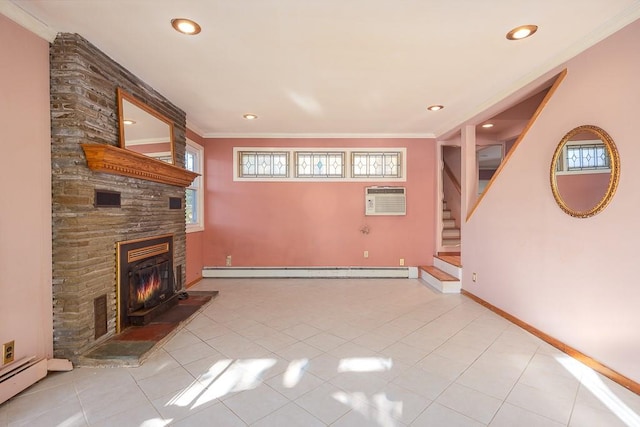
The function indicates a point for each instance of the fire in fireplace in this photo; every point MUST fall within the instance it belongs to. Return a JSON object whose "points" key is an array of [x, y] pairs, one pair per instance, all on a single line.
{"points": [[149, 284], [145, 280]]}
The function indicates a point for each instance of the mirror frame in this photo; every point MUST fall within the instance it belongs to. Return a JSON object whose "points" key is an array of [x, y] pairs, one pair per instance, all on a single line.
{"points": [[122, 95], [614, 158]]}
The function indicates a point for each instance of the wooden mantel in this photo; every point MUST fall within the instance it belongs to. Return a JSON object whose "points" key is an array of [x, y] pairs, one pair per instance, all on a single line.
{"points": [[118, 161]]}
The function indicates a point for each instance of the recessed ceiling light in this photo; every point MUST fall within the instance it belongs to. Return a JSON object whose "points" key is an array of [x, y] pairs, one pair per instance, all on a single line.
{"points": [[250, 116], [185, 26], [487, 125], [522, 32], [435, 107], [129, 122]]}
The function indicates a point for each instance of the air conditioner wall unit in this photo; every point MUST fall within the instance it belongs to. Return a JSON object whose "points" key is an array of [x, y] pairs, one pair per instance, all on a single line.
{"points": [[385, 201]]}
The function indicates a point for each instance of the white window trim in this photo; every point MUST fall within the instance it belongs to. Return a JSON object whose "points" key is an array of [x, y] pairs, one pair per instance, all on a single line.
{"points": [[347, 151], [192, 228]]}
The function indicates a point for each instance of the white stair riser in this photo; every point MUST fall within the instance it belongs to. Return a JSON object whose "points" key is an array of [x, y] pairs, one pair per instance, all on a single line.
{"points": [[447, 287], [451, 242], [449, 223], [450, 269], [446, 214]]}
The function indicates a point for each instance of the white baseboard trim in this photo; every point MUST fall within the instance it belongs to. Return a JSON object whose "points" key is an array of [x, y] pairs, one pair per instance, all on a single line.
{"points": [[310, 272]]}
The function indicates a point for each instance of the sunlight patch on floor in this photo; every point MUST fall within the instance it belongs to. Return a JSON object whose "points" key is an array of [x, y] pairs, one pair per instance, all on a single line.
{"points": [[590, 379], [365, 364], [379, 408], [294, 372]]}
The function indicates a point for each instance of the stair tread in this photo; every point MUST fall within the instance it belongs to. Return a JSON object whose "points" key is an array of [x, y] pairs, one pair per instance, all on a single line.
{"points": [[439, 274]]}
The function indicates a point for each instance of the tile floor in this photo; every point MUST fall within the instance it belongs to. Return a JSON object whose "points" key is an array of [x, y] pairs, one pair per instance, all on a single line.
{"points": [[335, 353]]}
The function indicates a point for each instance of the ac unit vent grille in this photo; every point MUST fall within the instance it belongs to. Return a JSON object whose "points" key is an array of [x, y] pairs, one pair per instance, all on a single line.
{"points": [[385, 201]]}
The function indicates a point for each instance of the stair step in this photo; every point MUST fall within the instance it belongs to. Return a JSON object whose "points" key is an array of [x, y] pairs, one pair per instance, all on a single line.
{"points": [[439, 274], [440, 280], [451, 233], [451, 259], [450, 242], [449, 223], [446, 214]]}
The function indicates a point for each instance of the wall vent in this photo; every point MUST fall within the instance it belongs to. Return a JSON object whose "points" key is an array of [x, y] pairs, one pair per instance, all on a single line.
{"points": [[107, 199], [175, 203], [100, 316], [385, 201]]}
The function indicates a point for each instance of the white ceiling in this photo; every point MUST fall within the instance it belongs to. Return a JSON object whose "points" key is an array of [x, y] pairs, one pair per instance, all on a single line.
{"points": [[333, 67]]}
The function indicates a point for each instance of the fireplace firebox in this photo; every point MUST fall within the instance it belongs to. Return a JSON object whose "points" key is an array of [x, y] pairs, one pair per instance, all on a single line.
{"points": [[145, 280]]}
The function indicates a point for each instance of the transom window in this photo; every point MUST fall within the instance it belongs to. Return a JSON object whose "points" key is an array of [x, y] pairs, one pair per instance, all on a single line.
{"points": [[260, 164], [378, 165], [319, 164]]}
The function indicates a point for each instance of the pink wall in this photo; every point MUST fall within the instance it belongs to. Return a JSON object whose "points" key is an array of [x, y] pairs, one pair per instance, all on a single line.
{"points": [[194, 257], [25, 188], [574, 279], [315, 223]]}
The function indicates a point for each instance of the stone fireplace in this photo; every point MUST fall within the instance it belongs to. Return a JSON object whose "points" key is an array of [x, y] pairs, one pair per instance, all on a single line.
{"points": [[86, 235]]}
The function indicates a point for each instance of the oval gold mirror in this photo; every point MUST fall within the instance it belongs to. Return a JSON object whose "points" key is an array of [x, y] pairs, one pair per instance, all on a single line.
{"points": [[144, 130], [585, 170]]}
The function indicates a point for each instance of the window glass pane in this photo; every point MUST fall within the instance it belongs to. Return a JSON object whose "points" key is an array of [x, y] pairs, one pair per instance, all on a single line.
{"points": [[189, 160], [191, 206]]}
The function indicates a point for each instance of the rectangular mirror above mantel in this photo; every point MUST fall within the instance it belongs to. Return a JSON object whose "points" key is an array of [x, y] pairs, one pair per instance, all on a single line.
{"points": [[146, 146]]}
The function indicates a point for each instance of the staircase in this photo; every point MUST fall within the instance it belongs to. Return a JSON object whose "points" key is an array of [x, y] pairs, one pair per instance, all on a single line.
{"points": [[445, 274], [450, 233]]}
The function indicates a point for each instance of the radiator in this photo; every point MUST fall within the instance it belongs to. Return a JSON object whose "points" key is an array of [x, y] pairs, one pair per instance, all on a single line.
{"points": [[21, 374]]}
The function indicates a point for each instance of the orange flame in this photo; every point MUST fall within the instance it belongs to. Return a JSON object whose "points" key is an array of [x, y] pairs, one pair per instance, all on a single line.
{"points": [[145, 291]]}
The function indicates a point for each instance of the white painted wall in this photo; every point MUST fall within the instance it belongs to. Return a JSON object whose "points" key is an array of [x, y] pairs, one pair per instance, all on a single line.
{"points": [[575, 279]]}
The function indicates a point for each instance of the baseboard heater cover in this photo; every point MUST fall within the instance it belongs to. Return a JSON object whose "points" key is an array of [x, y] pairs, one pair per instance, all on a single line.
{"points": [[19, 376], [310, 272]]}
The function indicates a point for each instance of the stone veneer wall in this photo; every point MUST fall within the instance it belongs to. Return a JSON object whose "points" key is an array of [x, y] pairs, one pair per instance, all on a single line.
{"points": [[84, 110]]}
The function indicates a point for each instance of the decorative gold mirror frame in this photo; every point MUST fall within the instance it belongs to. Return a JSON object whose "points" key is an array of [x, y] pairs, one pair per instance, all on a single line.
{"points": [[613, 178]]}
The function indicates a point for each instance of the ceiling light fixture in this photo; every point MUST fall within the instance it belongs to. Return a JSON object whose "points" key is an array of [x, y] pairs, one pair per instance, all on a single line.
{"points": [[185, 26], [435, 107], [129, 122], [250, 116], [522, 32], [487, 125]]}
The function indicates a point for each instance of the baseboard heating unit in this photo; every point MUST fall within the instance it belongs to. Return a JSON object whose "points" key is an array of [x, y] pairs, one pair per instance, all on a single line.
{"points": [[311, 272], [19, 375]]}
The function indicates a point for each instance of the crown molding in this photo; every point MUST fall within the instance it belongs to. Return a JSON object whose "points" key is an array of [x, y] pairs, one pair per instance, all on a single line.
{"points": [[320, 135], [28, 21]]}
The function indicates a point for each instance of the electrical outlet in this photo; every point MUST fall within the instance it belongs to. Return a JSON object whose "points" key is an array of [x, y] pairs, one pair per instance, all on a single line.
{"points": [[366, 254], [228, 263], [8, 352], [474, 277], [401, 262]]}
